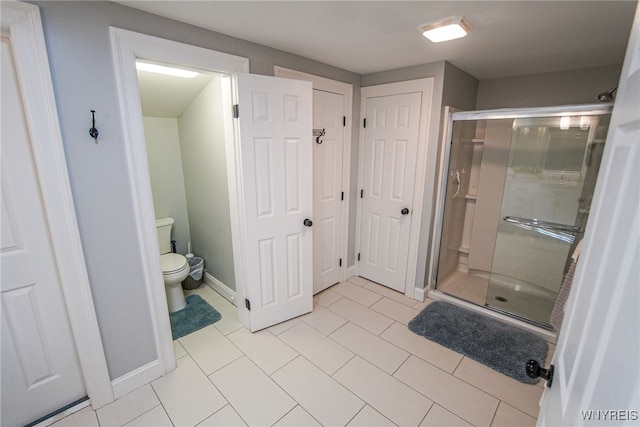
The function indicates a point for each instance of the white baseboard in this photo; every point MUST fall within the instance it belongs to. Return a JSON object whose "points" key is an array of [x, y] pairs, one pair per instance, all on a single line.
{"points": [[352, 271], [136, 379], [419, 294], [220, 288]]}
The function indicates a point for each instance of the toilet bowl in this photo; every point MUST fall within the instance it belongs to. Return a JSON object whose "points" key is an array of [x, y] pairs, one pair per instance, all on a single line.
{"points": [[175, 269]]}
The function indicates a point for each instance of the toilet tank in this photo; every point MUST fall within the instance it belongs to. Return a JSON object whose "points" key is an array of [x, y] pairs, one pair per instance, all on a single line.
{"points": [[163, 227]]}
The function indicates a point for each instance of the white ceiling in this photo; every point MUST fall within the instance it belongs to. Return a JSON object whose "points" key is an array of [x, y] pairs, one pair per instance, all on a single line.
{"points": [[508, 38]]}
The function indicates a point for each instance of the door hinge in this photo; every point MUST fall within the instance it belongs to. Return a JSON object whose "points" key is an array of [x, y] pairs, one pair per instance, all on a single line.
{"points": [[340, 262], [247, 304], [361, 193], [236, 111], [364, 123], [358, 256], [344, 120], [342, 196]]}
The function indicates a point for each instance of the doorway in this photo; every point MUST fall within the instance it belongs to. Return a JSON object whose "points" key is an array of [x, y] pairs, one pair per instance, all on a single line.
{"points": [[51, 348], [185, 143], [392, 178], [267, 148]]}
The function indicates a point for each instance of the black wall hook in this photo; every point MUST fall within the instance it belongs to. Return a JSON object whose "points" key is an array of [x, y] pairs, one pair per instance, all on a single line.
{"points": [[93, 132]]}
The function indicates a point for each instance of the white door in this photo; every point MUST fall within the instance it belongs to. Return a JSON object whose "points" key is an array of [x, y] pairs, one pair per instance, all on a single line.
{"points": [[328, 196], [390, 152], [597, 375], [276, 154], [40, 369]]}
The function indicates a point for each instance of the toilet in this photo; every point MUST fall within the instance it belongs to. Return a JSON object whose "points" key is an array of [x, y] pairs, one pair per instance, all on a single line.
{"points": [[174, 266]]}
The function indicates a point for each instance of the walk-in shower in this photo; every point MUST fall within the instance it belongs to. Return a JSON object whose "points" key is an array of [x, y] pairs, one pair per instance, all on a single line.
{"points": [[514, 200]]}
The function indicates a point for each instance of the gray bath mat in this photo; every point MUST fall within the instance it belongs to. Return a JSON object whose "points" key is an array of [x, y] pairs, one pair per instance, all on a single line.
{"points": [[196, 315], [497, 345]]}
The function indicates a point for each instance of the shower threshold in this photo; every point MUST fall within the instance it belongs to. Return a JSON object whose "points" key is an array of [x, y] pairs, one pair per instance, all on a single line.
{"points": [[521, 318], [539, 328]]}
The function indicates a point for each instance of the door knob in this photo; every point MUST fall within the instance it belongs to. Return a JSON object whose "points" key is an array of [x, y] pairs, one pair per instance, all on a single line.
{"points": [[404, 211], [534, 370], [307, 222]]}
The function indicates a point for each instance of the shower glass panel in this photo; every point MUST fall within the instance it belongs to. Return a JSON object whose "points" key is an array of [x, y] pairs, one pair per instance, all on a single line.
{"points": [[516, 200]]}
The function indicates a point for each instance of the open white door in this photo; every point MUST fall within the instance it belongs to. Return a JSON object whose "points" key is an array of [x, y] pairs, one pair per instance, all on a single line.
{"points": [[276, 173], [40, 368], [597, 375]]}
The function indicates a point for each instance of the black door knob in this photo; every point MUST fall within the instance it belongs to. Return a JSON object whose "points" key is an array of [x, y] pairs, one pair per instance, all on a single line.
{"points": [[307, 222], [404, 211], [534, 370]]}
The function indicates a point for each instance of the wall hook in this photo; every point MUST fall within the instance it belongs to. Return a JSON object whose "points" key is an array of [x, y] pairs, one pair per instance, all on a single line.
{"points": [[319, 133], [93, 132]]}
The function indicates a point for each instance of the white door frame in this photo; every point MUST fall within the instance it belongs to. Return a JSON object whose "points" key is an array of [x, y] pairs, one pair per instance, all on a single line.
{"points": [[126, 46], [425, 86], [345, 89], [22, 24]]}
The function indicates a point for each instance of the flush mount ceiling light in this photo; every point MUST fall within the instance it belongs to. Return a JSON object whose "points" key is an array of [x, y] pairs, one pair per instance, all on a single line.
{"points": [[162, 69], [453, 27]]}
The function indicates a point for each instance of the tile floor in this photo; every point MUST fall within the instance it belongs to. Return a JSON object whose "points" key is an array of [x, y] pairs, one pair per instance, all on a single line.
{"points": [[352, 361]]}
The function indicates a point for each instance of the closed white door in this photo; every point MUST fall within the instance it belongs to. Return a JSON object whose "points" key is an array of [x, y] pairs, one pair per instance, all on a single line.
{"points": [[390, 151], [276, 151], [597, 375], [328, 196], [40, 369]]}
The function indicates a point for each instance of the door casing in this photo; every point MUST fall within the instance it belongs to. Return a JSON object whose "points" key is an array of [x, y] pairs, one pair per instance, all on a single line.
{"points": [[425, 86], [22, 24], [127, 46]]}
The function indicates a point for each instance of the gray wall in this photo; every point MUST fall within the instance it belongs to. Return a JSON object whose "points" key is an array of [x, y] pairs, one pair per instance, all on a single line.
{"points": [[167, 178], [205, 175], [547, 89], [79, 49]]}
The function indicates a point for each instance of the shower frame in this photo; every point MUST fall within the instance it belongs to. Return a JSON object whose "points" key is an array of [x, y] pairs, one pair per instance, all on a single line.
{"points": [[443, 170]]}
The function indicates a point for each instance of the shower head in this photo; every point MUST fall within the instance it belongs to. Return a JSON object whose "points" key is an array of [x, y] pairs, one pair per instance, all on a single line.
{"points": [[608, 95]]}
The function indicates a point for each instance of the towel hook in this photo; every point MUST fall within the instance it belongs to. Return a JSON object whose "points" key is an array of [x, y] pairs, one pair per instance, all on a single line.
{"points": [[319, 133], [93, 132]]}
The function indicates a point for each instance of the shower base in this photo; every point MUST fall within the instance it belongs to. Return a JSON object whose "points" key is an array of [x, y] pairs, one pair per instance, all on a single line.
{"points": [[523, 301]]}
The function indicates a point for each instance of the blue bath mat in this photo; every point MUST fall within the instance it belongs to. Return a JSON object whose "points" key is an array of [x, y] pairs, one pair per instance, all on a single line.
{"points": [[495, 344], [196, 315]]}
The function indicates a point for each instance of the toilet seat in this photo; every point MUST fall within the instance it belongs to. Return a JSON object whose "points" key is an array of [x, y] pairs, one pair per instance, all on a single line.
{"points": [[173, 263]]}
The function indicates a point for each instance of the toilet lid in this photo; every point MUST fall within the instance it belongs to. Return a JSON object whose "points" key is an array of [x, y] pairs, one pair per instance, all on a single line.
{"points": [[172, 262]]}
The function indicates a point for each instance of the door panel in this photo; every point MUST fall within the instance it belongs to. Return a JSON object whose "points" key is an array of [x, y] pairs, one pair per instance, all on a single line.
{"points": [[328, 111], [40, 368], [276, 150], [390, 151], [597, 376]]}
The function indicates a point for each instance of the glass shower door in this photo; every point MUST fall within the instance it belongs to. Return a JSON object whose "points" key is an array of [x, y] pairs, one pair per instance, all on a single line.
{"points": [[548, 186]]}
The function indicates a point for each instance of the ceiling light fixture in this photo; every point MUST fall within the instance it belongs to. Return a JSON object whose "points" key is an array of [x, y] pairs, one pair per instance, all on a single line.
{"points": [[161, 69], [453, 27]]}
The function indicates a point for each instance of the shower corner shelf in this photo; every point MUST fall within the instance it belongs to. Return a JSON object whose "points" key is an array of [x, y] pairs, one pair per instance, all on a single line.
{"points": [[471, 196], [478, 140]]}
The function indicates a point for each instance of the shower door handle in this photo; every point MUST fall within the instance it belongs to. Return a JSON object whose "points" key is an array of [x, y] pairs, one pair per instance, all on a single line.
{"points": [[536, 223]]}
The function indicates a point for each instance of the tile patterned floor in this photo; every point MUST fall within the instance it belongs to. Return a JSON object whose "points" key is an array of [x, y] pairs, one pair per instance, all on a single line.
{"points": [[352, 361]]}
